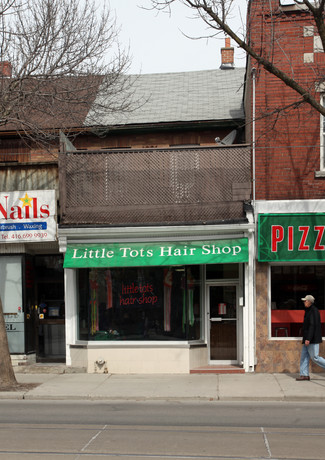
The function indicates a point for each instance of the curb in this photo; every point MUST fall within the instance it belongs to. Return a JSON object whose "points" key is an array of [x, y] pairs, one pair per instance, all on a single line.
{"points": [[27, 397]]}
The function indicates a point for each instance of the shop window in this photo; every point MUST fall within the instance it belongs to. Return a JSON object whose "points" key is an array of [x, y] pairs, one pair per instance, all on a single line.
{"points": [[12, 301], [49, 267], [48, 286], [150, 303], [222, 271], [11, 284], [288, 285]]}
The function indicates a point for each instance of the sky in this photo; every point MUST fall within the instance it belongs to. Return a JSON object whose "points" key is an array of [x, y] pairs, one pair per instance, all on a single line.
{"points": [[157, 42]]}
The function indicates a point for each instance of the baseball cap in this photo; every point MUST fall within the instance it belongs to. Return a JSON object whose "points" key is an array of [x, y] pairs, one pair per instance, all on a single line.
{"points": [[309, 297]]}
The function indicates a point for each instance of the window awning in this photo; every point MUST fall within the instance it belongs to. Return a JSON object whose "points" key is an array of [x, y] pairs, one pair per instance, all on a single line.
{"points": [[156, 253]]}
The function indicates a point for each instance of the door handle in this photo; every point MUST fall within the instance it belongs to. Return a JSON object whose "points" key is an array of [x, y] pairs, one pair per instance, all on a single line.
{"points": [[215, 319]]}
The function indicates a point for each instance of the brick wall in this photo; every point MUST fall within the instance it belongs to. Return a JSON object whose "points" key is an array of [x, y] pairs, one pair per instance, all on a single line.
{"points": [[287, 132], [287, 146]]}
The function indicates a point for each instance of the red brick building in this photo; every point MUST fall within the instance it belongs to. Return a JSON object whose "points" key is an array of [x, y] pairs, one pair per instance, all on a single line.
{"points": [[288, 178]]}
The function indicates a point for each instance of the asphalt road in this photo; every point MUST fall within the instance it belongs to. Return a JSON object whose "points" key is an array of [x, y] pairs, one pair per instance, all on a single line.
{"points": [[32, 430]]}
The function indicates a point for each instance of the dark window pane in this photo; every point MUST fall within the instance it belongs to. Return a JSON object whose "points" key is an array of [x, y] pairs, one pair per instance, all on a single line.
{"points": [[155, 303], [222, 271], [288, 285]]}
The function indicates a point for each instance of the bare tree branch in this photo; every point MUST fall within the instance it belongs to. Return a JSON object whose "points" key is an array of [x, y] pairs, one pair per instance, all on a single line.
{"points": [[63, 53], [215, 13]]}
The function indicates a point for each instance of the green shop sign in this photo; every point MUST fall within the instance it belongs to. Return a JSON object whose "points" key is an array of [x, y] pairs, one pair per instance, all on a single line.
{"points": [[291, 237], [153, 254]]}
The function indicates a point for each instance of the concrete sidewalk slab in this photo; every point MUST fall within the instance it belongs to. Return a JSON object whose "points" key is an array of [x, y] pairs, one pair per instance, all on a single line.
{"points": [[313, 390], [213, 387], [67, 386], [169, 387], [28, 379], [34, 378], [253, 387]]}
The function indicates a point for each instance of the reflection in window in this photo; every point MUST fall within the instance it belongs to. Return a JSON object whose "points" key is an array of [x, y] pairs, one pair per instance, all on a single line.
{"points": [[288, 285], [222, 271], [150, 303]]}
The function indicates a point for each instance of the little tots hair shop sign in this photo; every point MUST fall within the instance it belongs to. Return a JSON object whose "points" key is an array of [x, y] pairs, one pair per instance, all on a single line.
{"points": [[27, 216], [155, 254], [291, 237]]}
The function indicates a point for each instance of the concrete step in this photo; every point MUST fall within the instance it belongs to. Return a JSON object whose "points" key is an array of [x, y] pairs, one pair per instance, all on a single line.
{"points": [[218, 369]]}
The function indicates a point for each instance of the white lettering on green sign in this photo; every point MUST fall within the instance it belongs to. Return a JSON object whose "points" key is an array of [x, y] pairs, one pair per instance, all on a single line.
{"points": [[142, 254]]}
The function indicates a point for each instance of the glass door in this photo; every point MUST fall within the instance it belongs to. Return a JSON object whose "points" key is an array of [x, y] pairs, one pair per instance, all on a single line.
{"points": [[222, 303]]}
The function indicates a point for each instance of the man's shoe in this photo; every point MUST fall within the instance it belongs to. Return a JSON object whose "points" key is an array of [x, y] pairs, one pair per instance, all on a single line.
{"points": [[303, 377]]}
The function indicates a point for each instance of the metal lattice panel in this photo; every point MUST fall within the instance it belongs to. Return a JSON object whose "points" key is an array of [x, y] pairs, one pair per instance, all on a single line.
{"points": [[154, 186]]}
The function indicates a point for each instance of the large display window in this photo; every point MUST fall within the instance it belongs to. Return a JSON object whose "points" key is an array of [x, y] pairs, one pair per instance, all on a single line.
{"points": [[12, 301], [144, 303], [288, 285]]}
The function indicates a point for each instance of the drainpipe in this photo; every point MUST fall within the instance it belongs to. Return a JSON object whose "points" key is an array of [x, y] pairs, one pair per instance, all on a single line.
{"points": [[252, 311], [253, 74]]}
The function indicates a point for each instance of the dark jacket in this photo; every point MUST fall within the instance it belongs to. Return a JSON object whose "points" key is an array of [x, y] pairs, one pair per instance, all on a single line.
{"points": [[312, 329]]}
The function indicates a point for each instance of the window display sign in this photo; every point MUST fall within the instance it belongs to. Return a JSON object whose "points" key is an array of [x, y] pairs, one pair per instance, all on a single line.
{"points": [[155, 254], [140, 303], [27, 216], [137, 294], [291, 237]]}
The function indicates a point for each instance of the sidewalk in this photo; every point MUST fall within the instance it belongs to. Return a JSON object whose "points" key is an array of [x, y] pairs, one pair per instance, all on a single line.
{"points": [[209, 387]]}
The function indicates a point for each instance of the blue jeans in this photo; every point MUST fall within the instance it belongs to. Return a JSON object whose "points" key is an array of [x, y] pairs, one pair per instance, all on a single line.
{"points": [[308, 352]]}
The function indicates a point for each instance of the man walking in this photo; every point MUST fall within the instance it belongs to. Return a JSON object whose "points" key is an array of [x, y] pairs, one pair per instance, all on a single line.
{"points": [[311, 338]]}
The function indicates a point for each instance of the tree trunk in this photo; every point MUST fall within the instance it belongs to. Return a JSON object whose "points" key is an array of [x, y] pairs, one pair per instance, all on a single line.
{"points": [[7, 375]]}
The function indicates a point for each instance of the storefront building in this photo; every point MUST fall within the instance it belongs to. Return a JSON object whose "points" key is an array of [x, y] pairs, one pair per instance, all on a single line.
{"points": [[291, 264], [159, 271], [156, 230], [31, 288], [172, 173], [155, 302]]}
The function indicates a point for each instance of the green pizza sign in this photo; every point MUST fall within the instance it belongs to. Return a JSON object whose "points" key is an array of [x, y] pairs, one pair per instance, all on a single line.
{"points": [[291, 237]]}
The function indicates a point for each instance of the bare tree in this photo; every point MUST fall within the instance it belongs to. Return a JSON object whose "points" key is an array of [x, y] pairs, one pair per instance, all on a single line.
{"points": [[58, 58], [216, 15]]}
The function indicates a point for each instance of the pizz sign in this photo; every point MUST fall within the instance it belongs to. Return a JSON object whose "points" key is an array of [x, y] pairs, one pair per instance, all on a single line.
{"points": [[291, 237]]}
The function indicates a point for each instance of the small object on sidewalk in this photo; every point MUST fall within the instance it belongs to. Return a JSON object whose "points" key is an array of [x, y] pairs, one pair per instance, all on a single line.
{"points": [[303, 377]]}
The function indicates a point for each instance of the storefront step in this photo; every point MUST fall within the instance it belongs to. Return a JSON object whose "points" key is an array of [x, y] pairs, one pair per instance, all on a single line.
{"points": [[218, 369]]}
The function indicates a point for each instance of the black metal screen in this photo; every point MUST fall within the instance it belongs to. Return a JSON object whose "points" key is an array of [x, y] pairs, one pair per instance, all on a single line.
{"points": [[154, 186]]}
